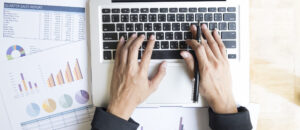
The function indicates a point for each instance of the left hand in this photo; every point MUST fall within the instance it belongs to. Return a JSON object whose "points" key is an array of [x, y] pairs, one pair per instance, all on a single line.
{"points": [[130, 84]]}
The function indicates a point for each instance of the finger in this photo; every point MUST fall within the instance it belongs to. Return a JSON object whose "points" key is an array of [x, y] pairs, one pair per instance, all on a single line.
{"points": [[220, 43], [209, 53], [148, 53], [199, 51], [211, 41], [118, 51], [189, 60], [155, 81], [124, 51], [193, 30], [134, 50]]}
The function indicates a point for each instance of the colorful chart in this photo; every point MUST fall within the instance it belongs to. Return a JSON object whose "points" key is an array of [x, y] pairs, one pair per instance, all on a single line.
{"points": [[82, 97], [23, 86], [33, 110], [65, 101], [49, 105], [14, 48], [69, 77]]}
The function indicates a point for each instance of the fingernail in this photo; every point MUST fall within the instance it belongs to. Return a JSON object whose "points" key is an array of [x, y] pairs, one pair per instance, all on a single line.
{"points": [[165, 65], [134, 35], [152, 37], [184, 55], [204, 26], [122, 39]]}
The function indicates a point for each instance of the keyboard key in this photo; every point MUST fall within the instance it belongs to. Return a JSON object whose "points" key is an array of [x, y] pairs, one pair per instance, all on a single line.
{"points": [[190, 17], [171, 17], [109, 27], [105, 10], [202, 9], [187, 35], [182, 45], [110, 36], [139, 27], [180, 17], [231, 26], [143, 18], [144, 45], [164, 45], [142, 33], [169, 35], [154, 10], [167, 26], [175, 26], [106, 55], [229, 17], [124, 35], [166, 54], [156, 45], [157, 27], [162, 17], [218, 17], [160, 36], [221, 9], [131, 33], [231, 9], [212, 9], [105, 18], [135, 10], [223, 26], [114, 54], [230, 44], [116, 11], [115, 18], [185, 26], [212, 26], [183, 10], [110, 45], [124, 18], [149, 35], [228, 35], [199, 17], [144, 10], [178, 35], [208, 17], [192, 9], [174, 44], [134, 18], [148, 26], [231, 56], [152, 17], [173, 10], [120, 27], [163, 10], [125, 10], [129, 27]]}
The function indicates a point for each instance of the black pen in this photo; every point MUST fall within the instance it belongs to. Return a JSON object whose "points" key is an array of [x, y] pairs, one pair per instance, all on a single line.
{"points": [[196, 69]]}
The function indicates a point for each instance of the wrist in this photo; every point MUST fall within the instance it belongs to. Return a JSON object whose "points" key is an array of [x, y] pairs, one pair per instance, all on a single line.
{"points": [[224, 107], [122, 111]]}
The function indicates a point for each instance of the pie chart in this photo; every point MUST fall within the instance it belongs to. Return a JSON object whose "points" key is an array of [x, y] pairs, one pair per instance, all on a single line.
{"points": [[49, 105], [82, 97], [14, 48], [33, 109], [65, 101]]}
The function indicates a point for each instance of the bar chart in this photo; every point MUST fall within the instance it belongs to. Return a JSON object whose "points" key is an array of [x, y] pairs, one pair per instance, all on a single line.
{"points": [[67, 77], [25, 86]]}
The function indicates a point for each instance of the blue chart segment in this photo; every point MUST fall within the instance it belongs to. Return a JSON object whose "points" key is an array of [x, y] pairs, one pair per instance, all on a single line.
{"points": [[65, 101], [14, 48], [82, 97], [33, 109]]}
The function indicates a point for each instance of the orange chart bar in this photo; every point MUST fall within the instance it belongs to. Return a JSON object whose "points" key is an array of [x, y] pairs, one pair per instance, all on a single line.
{"points": [[78, 70], [23, 81], [51, 82], [68, 73]]}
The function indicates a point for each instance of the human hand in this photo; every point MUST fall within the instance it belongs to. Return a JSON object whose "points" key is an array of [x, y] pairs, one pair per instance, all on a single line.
{"points": [[130, 84], [215, 77]]}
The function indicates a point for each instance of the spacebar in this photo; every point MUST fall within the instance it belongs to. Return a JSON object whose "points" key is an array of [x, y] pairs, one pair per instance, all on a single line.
{"points": [[166, 54]]}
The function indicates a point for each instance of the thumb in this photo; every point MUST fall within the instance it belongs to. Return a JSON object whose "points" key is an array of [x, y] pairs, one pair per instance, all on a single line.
{"points": [[188, 58], [155, 81]]}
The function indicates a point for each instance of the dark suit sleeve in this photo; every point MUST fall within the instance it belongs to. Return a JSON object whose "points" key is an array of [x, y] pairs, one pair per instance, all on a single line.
{"points": [[106, 121], [236, 121]]}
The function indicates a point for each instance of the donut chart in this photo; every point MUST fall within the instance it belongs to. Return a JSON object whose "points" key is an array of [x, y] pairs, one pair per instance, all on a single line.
{"points": [[82, 97], [13, 48], [33, 110]]}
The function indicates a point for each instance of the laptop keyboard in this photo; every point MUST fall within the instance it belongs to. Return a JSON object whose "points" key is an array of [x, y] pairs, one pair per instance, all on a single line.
{"points": [[169, 25]]}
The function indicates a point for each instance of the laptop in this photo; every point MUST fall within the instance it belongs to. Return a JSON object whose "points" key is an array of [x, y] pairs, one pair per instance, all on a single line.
{"points": [[169, 21]]}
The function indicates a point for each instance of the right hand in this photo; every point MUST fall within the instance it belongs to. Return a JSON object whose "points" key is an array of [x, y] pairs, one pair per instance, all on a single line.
{"points": [[215, 77]]}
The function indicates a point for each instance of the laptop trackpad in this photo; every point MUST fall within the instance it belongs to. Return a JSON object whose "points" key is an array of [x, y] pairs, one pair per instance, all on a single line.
{"points": [[176, 87]]}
